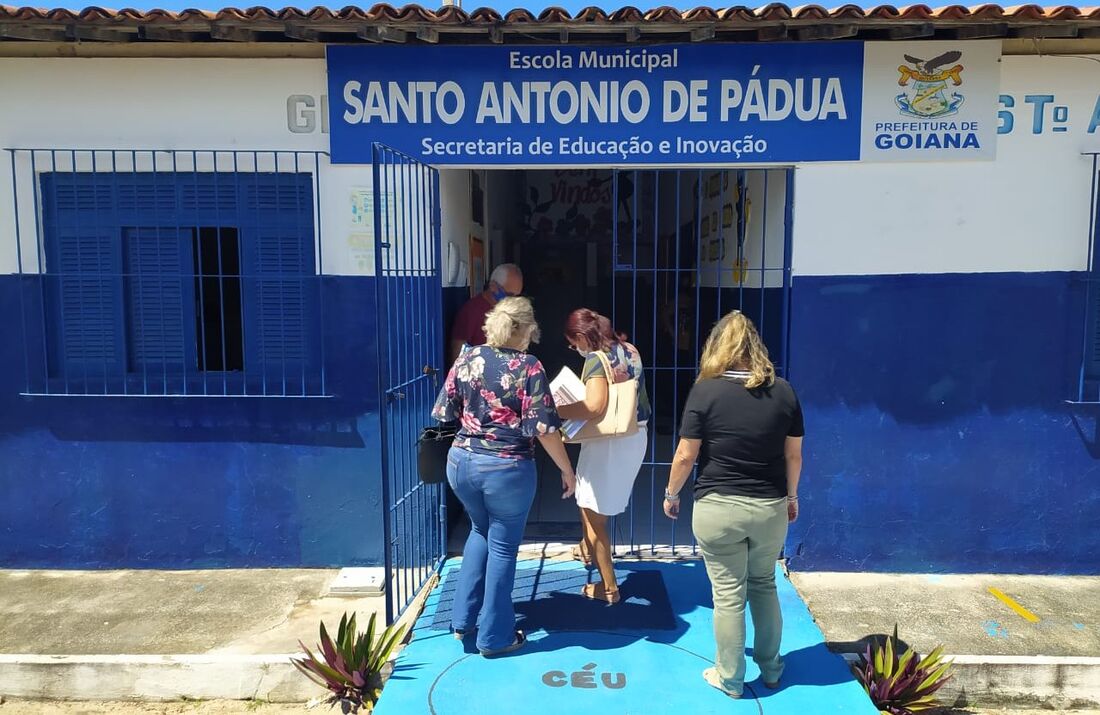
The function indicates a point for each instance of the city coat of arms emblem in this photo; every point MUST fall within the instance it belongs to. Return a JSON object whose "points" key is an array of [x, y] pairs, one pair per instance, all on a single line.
{"points": [[929, 86]]}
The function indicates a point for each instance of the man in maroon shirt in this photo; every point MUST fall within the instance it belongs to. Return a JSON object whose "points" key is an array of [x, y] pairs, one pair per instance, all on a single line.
{"points": [[506, 280]]}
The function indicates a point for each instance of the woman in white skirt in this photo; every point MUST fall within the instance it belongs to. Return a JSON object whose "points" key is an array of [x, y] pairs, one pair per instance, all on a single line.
{"points": [[607, 468]]}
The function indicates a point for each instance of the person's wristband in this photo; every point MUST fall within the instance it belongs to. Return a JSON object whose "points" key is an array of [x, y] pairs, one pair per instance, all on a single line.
{"points": [[792, 498], [671, 497]]}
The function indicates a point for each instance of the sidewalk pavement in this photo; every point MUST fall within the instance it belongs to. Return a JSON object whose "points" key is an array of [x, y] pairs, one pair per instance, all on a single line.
{"points": [[224, 707], [162, 635], [1018, 639], [117, 635]]}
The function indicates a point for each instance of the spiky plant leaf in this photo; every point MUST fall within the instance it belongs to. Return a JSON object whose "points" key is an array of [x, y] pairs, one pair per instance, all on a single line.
{"points": [[901, 682], [933, 658], [936, 679], [385, 648], [350, 666], [334, 678], [327, 647], [309, 673], [901, 671]]}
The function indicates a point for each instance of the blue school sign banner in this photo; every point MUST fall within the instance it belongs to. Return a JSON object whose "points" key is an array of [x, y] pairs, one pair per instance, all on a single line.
{"points": [[631, 105]]}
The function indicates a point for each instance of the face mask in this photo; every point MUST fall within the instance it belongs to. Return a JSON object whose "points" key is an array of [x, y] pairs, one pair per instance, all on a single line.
{"points": [[499, 294]]}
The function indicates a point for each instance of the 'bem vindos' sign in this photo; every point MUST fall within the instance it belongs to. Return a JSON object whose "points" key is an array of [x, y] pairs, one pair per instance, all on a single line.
{"points": [[673, 104]]}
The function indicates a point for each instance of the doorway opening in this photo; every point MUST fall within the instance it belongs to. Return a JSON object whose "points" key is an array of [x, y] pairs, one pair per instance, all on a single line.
{"points": [[664, 254]]}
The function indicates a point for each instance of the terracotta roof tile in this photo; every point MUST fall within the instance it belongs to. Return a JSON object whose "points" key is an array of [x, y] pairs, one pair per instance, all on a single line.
{"points": [[1063, 12], [555, 16], [628, 14], [517, 15], [848, 12], [810, 12], [917, 12], [987, 12], [883, 12]]}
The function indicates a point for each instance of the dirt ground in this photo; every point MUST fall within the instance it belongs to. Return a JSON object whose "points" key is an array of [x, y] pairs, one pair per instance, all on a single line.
{"points": [[230, 707], [188, 707]]}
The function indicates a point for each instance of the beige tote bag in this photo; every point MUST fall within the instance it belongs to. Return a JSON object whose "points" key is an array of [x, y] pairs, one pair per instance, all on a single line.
{"points": [[621, 416]]}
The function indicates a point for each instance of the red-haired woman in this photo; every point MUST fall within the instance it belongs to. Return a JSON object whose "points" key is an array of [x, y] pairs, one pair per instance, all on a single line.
{"points": [[607, 468]]}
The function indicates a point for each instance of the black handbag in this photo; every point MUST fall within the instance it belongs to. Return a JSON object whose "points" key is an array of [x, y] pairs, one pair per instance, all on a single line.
{"points": [[431, 452]]}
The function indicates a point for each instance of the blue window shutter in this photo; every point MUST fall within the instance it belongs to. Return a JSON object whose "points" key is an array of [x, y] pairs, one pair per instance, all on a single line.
{"points": [[89, 303], [159, 301], [84, 267], [148, 193], [279, 287], [210, 195]]}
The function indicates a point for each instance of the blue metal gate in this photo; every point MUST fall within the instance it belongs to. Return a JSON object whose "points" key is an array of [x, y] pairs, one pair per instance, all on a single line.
{"points": [[410, 356], [689, 246]]}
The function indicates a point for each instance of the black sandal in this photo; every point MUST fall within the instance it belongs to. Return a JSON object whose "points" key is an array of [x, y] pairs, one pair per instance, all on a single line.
{"points": [[521, 640]]}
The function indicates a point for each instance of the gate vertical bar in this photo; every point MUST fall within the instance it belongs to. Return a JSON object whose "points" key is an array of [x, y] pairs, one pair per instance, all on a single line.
{"points": [[414, 238], [1089, 277], [19, 262], [398, 174], [636, 184], [99, 263], [421, 319], [676, 324], [43, 274], [788, 236], [383, 381], [317, 212], [63, 352], [651, 360], [744, 203], [242, 281], [438, 336], [764, 258], [122, 281], [80, 279], [406, 209]]}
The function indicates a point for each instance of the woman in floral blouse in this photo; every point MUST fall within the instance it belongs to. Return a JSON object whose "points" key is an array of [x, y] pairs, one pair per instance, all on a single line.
{"points": [[500, 395]]}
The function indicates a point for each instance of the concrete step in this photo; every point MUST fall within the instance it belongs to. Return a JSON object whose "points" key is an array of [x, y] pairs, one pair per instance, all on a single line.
{"points": [[1018, 640], [230, 634], [153, 677], [166, 635]]}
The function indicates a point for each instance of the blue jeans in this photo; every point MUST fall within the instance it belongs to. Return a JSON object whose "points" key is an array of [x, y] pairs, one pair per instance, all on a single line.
{"points": [[497, 493]]}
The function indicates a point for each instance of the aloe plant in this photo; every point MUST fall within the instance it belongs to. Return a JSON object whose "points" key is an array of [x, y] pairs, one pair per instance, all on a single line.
{"points": [[901, 683], [350, 667]]}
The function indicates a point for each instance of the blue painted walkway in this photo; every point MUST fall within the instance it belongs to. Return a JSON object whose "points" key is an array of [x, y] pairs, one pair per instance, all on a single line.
{"points": [[644, 655]]}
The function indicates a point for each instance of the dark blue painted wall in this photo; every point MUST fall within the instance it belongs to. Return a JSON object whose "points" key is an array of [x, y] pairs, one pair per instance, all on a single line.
{"points": [[153, 482], [937, 434], [938, 440]]}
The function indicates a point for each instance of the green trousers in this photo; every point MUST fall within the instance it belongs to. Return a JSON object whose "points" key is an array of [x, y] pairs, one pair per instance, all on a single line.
{"points": [[741, 538]]}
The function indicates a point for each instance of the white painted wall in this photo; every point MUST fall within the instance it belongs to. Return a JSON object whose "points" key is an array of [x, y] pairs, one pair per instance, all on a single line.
{"points": [[1026, 211], [762, 253], [457, 227], [174, 104]]}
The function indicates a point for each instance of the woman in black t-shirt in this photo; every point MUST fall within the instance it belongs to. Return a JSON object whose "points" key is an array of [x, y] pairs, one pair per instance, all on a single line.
{"points": [[744, 425]]}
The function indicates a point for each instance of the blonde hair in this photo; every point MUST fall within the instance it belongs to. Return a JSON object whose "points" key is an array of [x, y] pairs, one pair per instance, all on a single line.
{"points": [[511, 322], [735, 344]]}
